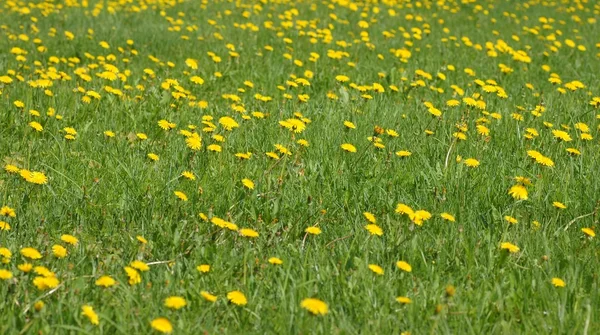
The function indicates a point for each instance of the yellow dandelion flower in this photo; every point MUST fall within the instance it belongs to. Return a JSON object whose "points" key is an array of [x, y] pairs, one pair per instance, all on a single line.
{"points": [[162, 325], [448, 217], [315, 306], [88, 311], [59, 251], [313, 230], [589, 232], [237, 298], [105, 281], [404, 300], [557, 282], [348, 147], [208, 297], [31, 253], [69, 239], [275, 261], [376, 269], [374, 229], [510, 247], [204, 268], [175, 302], [249, 184], [404, 266]]}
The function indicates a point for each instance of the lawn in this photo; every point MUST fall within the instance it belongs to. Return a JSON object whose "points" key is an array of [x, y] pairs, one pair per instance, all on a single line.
{"points": [[299, 167]]}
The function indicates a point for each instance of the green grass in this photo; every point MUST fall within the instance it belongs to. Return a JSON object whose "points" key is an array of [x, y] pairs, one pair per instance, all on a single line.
{"points": [[106, 191]]}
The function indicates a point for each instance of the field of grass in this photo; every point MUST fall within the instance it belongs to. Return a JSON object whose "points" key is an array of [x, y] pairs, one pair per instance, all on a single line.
{"points": [[299, 167]]}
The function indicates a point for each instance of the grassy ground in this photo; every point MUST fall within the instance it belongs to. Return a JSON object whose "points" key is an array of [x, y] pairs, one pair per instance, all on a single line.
{"points": [[471, 114]]}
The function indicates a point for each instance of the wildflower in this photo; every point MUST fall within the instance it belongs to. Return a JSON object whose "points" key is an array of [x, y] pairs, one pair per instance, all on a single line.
{"points": [[7, 211], [589, 232], [557, 282], [208, 297], [59, 251], [559, 205], [175, 302], [25, 267], [31, 253], [471, 162], [313, 230], [181, 195], [404, 266], [5, 274], [237, 297], [36, 126], [374, 229], [228, 123], [134, 276], [404, 300], [140, 266], [162, 325], [45, 283], [562, 135], [188, 175], [88, 311], [105, 281], [38, 306], [141, 239], [204, 268], [194, 141], [349, 125], [376, 269], [249, 184], [275, 261], [510, 219], [246, 232], [519, 192], [4, 225], [69, 239], [348, 147], [510, 247], [315, 306], [403, 153], [448, 217], [153, 157]]}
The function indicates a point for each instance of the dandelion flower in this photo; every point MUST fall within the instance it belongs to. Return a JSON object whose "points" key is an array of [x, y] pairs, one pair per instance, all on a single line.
{"points": [[88, 311], [471, 162], [249, 184], [519, 192], [315, 306], [559, 205], [204, 268], [181, 195], [69, 239], [557, 282], [175, 302], [374, 229], [404, 300], [246, 232], [376, 269], [208, 297], [589, 232], [404, 266], [31, 253], [162, 325], [188, 175], [134, 275], [105, 281], [5, 274], [59, 251], [348, 147], [275, 261], [237, 297], [448, 217], [4, 225], [510, 219], [370, 217], [313, 230], [510, 247], [140, 266]]}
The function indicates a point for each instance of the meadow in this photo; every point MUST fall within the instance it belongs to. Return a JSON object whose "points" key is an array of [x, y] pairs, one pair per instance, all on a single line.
{"points": [[299, 167]]}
